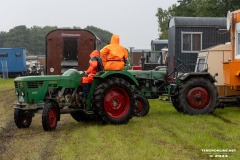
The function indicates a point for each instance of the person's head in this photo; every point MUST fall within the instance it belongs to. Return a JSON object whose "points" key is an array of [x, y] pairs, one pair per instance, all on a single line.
{"points": [[115, 39], [94, 54]]}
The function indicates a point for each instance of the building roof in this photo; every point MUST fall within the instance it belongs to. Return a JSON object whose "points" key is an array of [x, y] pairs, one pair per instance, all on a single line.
{"points": [[220, 47], [219, 22], [162, 41], [140, 50]]}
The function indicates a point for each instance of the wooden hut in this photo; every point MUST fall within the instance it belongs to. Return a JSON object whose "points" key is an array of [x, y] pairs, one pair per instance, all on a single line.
{"points": [[69, 48]]}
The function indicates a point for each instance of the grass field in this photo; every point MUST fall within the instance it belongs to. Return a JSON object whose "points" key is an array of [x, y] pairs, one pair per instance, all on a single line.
{"points": [[162, 134]]}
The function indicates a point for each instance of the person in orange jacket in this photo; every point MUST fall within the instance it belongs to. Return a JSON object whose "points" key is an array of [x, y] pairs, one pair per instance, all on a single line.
{"points": [[90, 72], [114, 55]]}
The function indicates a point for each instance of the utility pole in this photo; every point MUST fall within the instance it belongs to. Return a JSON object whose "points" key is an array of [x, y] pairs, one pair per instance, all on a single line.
{"points": [[131, 59]]}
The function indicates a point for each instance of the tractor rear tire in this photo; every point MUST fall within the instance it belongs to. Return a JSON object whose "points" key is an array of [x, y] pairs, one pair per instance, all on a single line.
{"points": [[22, 118], [50, 116], [142, 106], [114, 101], [198, 96]]}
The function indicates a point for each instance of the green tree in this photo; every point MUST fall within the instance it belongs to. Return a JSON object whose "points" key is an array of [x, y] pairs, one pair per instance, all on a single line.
{"points": [[2, 38], [163, 16], [33, 39], [17, 37], [37, 39], [104, 35], [194, 8]]}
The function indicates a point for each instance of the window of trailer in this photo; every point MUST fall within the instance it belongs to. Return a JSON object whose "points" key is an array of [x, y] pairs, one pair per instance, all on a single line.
{"points": [[191, 42], [237, 52]]}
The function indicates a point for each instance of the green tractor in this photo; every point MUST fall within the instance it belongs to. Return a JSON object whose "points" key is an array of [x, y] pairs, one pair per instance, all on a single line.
{"points": [[189, 92], [114, 97], [111, 98]]}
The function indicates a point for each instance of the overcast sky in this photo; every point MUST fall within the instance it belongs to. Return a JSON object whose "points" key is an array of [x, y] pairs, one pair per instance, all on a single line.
{"points": [[133, 20]]}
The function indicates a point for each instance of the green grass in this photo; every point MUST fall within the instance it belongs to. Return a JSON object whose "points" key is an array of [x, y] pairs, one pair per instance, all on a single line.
{"points": [[163, 134], [6, 84]]}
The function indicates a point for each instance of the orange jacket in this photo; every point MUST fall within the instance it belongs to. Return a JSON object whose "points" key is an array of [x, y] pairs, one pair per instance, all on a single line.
{"points": [[113, 55], [92, 69]]}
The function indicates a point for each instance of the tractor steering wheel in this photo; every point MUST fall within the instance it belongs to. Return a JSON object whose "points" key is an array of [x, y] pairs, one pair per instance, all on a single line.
{"points": [[182, 64]]}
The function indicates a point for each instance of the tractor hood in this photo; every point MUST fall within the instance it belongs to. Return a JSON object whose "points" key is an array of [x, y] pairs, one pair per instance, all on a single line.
{"points": [[149, 74], [32, 89]]}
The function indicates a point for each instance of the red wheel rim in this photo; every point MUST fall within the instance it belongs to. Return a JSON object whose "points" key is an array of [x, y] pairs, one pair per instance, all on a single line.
{"points": [[52, 117], [198, 98], [116, 102], [139, 106]]}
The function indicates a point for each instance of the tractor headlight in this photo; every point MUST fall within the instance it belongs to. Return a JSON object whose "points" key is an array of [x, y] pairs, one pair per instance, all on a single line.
{"points": [[22, 93], [16, 92]]}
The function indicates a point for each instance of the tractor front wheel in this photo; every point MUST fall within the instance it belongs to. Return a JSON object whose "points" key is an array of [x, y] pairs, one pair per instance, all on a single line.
{"points": [[49, 116], [176, 103], [114, 101], [22, 118], [198, 96], [142, 106]]}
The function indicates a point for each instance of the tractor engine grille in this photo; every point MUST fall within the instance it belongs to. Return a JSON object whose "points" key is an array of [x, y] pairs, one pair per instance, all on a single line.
{"points": [[35, 84], [18, 84]]}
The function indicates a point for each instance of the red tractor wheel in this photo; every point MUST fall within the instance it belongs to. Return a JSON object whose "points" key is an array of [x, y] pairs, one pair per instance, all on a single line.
{"points": [[142, 106], [198, 96], [114, 101], [22, 118], [49, 116]]}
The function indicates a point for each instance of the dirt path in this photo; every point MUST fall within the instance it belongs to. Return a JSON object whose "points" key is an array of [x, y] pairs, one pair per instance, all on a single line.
{"points": [[32, 143]]}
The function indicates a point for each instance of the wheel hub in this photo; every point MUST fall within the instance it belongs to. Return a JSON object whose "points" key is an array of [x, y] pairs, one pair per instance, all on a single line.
{"points": [[116, 102], [198, 98], [139, 106], [52, 117]]}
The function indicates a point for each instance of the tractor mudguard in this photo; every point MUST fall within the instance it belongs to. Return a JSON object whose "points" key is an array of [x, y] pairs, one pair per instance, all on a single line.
{"points": [[186, 76], [120, 74]]}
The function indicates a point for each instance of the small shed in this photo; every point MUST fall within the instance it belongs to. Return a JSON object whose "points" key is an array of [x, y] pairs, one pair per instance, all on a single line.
{"points": [[13, 62], [189, 35], [136, 56], [69, 48], [212, 59], [158, 45]]}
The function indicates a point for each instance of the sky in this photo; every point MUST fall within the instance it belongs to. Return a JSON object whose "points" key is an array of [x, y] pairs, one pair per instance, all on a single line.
{"points": [[133, 20]]}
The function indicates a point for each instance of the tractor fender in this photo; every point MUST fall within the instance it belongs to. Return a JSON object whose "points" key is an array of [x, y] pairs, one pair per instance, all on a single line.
{"points": [[207, 75], [120, 74]]}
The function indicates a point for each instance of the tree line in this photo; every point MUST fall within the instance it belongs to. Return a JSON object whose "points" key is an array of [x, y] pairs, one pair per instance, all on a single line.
{"points": [[194, 8], [33, 39]]}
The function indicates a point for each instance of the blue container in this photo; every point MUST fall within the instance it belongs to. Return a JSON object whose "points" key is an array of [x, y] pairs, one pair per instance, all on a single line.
{"points": [[13, 60]]}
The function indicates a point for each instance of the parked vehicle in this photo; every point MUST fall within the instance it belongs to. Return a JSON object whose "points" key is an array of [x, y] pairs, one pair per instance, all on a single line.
{"points": [[13, 62], [149, 60], [115, 96], [69, 48], [211, 59], [231, 68]]}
